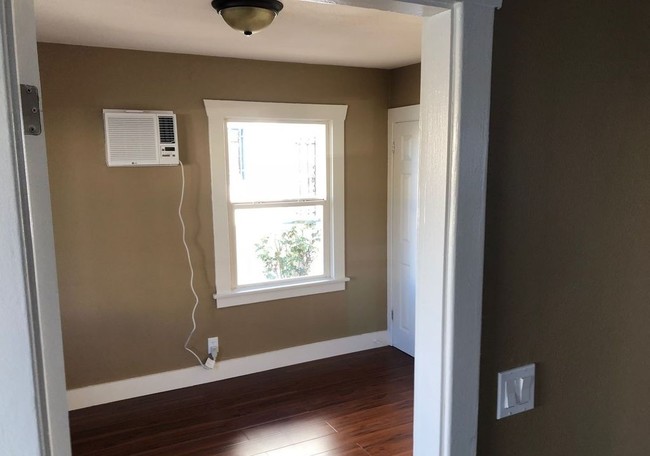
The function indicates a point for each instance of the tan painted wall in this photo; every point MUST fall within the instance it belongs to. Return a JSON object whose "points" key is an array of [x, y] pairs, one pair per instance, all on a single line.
{"points": [[567, 265], [404, 86], [123, 278]]}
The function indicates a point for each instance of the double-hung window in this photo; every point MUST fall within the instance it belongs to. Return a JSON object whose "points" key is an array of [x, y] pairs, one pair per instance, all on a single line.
{"points": [[277, 199]]}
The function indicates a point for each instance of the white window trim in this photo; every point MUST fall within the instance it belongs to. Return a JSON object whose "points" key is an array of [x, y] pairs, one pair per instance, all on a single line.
{"points": [[219, 112]]}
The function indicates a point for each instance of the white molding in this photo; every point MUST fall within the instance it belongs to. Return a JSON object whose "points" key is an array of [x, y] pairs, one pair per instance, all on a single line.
{"points": [[473, 26], [449, 4], [414, 8], [28, 155], [166, 381], [493, 4], [403, 114], [423, 8], [395, 115], [293, 290], [452, 214], [21, 429], [429, 401], [219, 112]]}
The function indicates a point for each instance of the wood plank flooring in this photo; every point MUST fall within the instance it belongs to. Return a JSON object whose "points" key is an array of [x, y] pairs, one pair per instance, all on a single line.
{"points": [[353, 405]]}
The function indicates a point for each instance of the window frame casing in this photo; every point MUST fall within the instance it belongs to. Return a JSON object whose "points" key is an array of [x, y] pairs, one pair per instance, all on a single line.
{"points": [[220, 112]]}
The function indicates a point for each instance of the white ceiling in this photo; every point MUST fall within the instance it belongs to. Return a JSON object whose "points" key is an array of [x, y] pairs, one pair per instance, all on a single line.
{"points": [[303, 32]]}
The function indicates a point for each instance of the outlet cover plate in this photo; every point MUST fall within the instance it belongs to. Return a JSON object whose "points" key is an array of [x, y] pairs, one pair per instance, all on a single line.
{"points": [[213, 345]]}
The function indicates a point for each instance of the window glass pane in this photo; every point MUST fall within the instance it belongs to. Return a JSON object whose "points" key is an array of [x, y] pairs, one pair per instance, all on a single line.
{"points": [[279, 243], [276, 161]]}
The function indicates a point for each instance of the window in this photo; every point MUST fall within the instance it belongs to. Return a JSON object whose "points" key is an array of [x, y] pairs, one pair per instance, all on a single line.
{"points": [[278, 199]]}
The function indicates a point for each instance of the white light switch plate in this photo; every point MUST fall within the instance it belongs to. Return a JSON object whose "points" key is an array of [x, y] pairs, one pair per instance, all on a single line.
{"points": [[516, 391]]}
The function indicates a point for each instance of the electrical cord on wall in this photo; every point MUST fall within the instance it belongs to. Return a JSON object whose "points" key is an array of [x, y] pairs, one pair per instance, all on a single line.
{"points": [[189, 262]]}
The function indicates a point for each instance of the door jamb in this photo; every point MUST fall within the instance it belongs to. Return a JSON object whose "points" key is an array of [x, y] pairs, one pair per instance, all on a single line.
{"points": [[20, 65], [451, 220]]}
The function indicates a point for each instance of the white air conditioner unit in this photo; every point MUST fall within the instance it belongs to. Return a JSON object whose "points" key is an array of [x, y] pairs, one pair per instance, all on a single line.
{"points": [[140, 138]]}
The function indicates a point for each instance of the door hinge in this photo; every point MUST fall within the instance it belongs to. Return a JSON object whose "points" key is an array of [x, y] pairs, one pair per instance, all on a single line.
{"points": [[392, 314], [393, 148], [29, 103]]}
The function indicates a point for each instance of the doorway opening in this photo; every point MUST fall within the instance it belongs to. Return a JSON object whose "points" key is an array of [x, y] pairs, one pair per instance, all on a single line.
{"points": [[450, 215]]}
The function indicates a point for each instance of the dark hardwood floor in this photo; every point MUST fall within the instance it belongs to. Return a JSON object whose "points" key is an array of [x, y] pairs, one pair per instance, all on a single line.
{"points": [[353, 405]]}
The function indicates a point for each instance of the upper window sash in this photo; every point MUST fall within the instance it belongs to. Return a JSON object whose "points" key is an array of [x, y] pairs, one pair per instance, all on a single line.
{"points": [[276, 160]]}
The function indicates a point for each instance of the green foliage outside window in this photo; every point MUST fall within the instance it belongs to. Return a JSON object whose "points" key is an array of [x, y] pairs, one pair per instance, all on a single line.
{"points": [[290, 253]]}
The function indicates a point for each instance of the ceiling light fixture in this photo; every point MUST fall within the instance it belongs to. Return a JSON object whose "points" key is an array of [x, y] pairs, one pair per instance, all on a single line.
{"points": [[248, 16]]}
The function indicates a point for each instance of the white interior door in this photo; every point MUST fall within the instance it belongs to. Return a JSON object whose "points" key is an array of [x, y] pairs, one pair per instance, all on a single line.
{"points": [[403, 189]]}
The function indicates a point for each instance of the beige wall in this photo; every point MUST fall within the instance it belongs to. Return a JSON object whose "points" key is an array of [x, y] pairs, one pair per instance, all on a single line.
{"points": [[404, 86], [567, 264], [123, 278]]}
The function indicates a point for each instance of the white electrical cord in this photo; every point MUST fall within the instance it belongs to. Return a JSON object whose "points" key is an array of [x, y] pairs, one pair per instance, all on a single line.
{"points": [[189, 262]]}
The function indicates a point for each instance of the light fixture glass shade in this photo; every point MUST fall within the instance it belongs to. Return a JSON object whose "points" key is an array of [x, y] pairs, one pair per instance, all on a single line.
{"points": [[248, 19]]}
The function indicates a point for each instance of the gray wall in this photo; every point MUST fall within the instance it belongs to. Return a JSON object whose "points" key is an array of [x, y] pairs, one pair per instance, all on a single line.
{"points": [[567, 265]]}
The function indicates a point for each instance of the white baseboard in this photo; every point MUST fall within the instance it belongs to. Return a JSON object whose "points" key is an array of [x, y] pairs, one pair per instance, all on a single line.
{"points": [[182, 378]]}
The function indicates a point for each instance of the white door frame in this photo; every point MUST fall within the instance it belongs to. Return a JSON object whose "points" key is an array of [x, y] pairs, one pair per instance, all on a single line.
{"points": [[395, 115], [455, 107], [35, 353], [451, 230]]}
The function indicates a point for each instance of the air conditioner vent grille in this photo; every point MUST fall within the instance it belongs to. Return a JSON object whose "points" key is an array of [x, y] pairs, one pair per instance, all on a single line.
{"points": [[132, 139], [166, 127]]}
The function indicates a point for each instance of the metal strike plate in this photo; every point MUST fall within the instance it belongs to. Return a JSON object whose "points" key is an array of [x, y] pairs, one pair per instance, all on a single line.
{"points": [[31, 109]]}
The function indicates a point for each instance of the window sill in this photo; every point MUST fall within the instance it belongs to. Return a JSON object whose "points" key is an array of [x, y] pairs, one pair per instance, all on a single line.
{"points": [[241, 297]]}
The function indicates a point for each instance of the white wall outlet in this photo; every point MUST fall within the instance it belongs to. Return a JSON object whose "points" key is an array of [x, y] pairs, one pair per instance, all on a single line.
{"points": [[516, 391], [213, 346]]}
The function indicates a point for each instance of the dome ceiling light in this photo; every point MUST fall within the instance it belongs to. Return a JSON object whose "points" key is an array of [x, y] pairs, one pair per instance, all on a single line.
{"points": [[248, 16]]}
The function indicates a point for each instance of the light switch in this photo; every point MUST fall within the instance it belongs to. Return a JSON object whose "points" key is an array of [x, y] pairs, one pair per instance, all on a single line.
{"points": [[516, 391]]}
